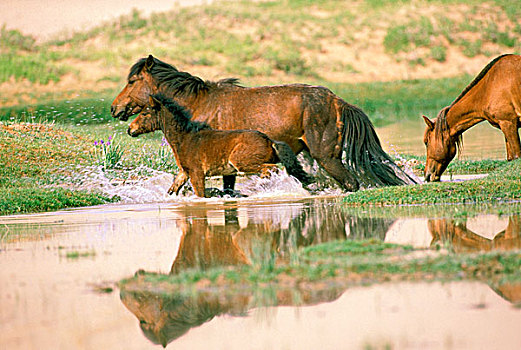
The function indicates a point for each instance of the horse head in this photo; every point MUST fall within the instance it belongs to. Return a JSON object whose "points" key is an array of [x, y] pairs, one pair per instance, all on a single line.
{"points": [[134, 96], [147, 121], [441, 149]]}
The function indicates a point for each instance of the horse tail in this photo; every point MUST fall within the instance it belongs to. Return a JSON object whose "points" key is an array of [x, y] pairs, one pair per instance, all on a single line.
{"points": [[288, 158], [364, 154]]}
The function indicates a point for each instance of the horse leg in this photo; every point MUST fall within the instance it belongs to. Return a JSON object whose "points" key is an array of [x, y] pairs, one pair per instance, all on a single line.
{"points": [[228, 183], [266, 170], [325, 149], [513, 144], [197, 180], [179, 181], [339, 172]]}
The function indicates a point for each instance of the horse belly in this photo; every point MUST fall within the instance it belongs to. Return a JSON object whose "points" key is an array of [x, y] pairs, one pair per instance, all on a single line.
{"points": [[223, 170]]}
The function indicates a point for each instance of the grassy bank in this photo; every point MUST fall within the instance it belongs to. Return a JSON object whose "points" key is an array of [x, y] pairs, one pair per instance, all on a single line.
{"points": [[41, 163], [330, 266], [503, 184], [33, 157]]}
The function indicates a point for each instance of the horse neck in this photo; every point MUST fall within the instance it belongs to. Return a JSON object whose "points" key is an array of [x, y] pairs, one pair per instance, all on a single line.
{"points": [[188, 101], [155, 125], [463, 115], [174, 131]]}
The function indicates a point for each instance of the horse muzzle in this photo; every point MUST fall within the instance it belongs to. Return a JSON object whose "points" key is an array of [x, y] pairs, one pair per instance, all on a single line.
{"points": [[119, 113], [133, 133], [429, 177]]}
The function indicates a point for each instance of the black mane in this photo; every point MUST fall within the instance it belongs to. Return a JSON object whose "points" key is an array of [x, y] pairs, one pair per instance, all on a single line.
{"points": [[181, 115], [174, 82]]}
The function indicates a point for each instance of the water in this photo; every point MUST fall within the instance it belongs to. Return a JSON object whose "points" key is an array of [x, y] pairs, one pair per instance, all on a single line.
{"points": [[479, 142], [153, 186], [54, 267]]}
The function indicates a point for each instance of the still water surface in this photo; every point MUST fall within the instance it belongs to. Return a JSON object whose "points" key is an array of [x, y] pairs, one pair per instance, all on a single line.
{"points": [[479, 142], [50, 297]]}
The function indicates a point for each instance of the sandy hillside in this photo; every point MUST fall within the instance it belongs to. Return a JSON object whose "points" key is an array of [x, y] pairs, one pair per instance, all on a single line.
{"points": [[44, 19], [351, 51]]}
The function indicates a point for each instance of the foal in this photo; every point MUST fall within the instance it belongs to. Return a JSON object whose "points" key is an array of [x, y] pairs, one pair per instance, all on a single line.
{"points": [[201, 151]]}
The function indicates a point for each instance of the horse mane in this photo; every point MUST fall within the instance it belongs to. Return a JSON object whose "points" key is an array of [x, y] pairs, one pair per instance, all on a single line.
{"points": [[478, 78], [181, 115], [175, 82], [441, 124]]}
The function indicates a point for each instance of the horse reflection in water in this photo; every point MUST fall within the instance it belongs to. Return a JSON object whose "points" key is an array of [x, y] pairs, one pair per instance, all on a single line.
{"points": [[461, 239], [164, 318], [204, 245], [246, 238]]}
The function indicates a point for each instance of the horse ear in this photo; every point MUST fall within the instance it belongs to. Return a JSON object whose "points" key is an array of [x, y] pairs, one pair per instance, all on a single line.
{"points": [[149, 63], [430, 123]]}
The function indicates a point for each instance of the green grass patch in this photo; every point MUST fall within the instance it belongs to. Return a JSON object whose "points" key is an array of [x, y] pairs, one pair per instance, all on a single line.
{"points": [[36, 68], [12, 39], [391, 102], [458, 166], [29, 200], [503, 184], [77, 254], [334, 264], [33, 157], [71, 111]]}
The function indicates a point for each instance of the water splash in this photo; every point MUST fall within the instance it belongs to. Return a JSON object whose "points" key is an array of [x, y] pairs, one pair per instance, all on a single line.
{"points": [[145, 185], [133, 188], [278, 184]]}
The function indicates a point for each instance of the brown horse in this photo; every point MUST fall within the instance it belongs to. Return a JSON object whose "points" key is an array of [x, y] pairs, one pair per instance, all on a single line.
{"points": [[495, 96], [201, 151], [461, 239], [309, 118]]}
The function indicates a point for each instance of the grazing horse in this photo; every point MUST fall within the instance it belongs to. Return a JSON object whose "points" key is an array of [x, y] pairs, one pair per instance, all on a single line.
{"points": [[495, 96], [309, 118], [201, 151]]}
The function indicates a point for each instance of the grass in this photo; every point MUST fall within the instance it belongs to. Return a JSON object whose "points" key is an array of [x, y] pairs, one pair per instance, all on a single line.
{"points": [[503, 184], [73, 255], [40, 162], [33, 155], [330, 266], [31, 199], [81, 111], [391, 102], [263, 41], [36, 68]]}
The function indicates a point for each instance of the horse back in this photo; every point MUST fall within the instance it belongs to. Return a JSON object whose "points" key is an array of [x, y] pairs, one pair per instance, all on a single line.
{"points": [[495, 92], [211, 149], [501, 85], [277, 111]]}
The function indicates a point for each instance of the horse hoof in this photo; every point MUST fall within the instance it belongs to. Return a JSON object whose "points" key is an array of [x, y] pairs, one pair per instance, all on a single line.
{"points": [[213, 192], [233, 193]]}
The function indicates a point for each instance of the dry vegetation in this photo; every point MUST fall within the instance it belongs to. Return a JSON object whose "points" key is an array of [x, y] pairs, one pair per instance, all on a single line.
{"points": [[267, 42]]}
